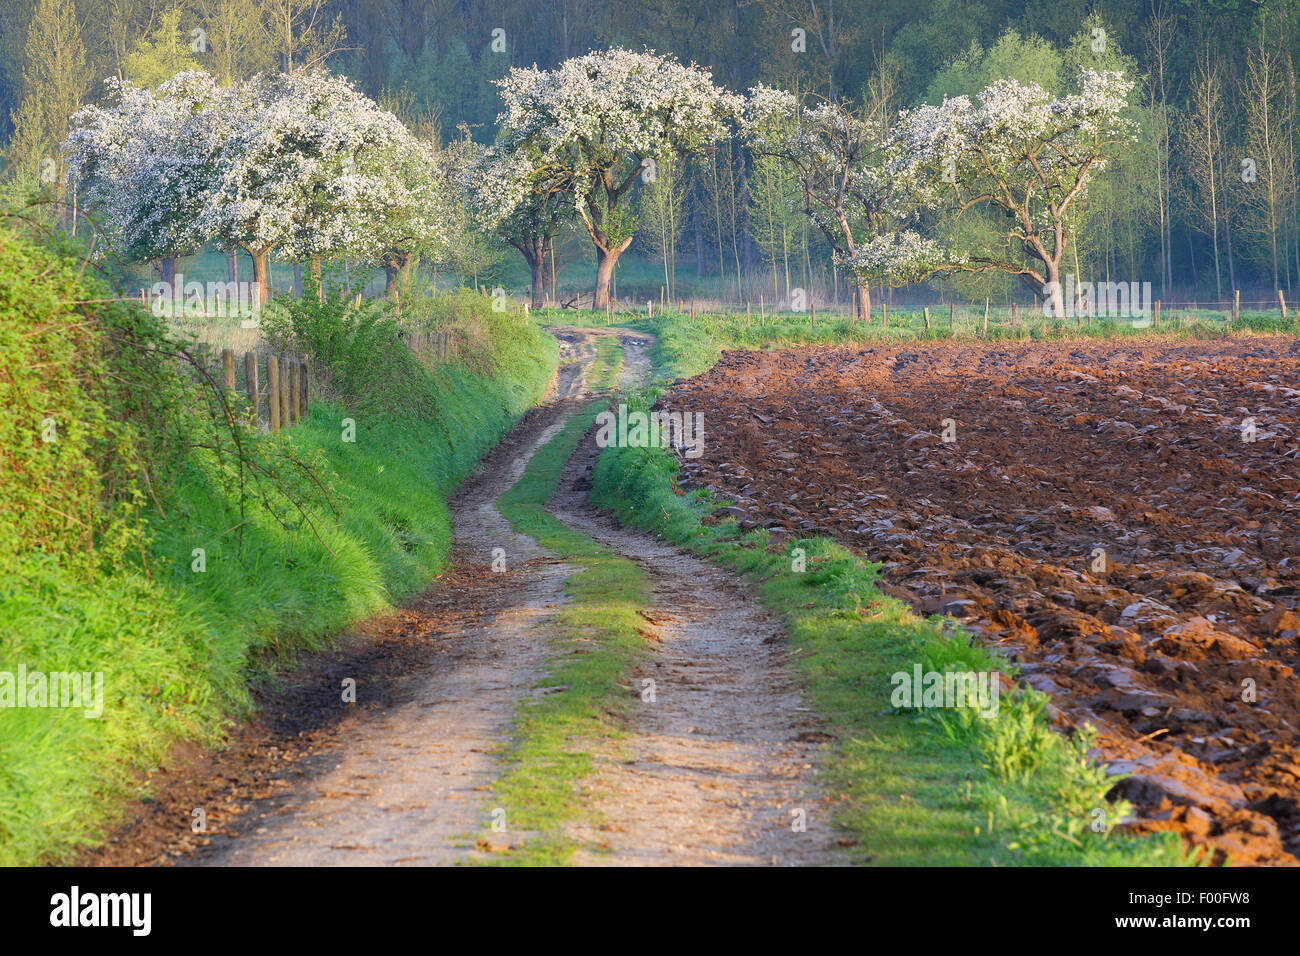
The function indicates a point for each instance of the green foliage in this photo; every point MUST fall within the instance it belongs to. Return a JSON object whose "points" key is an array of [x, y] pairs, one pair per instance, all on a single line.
{"points": [[54, 79], [79, 433], [299, 533], [162, 54]]}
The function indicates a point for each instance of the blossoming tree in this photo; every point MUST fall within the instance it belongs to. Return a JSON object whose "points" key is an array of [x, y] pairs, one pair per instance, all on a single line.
{"points": [[146, 162], [306, 170], [409, 208], [301, 162], [1019, 151], [601, 122], [525, 201], [837, 155]]}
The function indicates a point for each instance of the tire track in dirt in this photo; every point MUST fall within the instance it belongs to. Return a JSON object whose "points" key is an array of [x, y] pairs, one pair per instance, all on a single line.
{"points": [[399, 778], [403, 777], [720, 767]]}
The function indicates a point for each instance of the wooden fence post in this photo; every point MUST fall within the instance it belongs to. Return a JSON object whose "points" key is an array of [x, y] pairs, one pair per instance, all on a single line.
{"points": [[305, 391], [884, 315], [1282, 302], [986, 315], [284, 393], [294, 385], [250, 372], [273, 390], [951, 307], [1236, 306], [812, 308], [1156, 323], [228, 368], [925, 311]]}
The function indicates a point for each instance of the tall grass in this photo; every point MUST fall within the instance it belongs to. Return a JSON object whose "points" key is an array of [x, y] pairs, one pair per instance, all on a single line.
{"points": [[177, 638]]}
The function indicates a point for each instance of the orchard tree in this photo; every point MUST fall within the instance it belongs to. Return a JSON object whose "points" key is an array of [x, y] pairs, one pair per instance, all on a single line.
{"points": [[603, 121], [408, 206], [1021, 152], [147, 161], [526, 202], [304, 171], [836, 155]]}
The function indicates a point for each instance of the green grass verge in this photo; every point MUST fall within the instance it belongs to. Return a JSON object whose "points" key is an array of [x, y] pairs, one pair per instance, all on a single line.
{"points": [[177, 646], [597, 644]]}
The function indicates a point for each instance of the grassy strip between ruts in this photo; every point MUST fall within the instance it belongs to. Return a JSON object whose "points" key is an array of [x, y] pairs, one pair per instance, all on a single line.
{"points": [[598, 641], [912, 786]]}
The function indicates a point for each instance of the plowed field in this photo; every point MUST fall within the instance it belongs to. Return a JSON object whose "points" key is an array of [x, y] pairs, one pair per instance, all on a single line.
{"points": [[1106, 514]]}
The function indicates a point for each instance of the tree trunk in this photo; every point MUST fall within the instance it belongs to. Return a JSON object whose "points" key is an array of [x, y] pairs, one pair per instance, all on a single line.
{"points": [[605, 262], [260, 275], [1054, 293], [864, 302], [316, 277], [169, 270], [1232, 267], [537, 265], [397, 264], [699, 241], [550, 270], [232, 267]]}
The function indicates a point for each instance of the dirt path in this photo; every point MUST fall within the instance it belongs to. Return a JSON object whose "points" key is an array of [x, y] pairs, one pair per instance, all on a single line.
{"points": [[721, 763], [719, 770], [400, 776], [407, 785]]}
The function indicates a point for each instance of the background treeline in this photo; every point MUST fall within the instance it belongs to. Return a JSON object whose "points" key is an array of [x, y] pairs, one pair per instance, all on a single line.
{"points": [[1207, 200]]}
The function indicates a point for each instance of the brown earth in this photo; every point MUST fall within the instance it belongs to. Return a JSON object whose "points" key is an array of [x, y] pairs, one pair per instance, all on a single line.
{"points": [[1097, 516]]}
